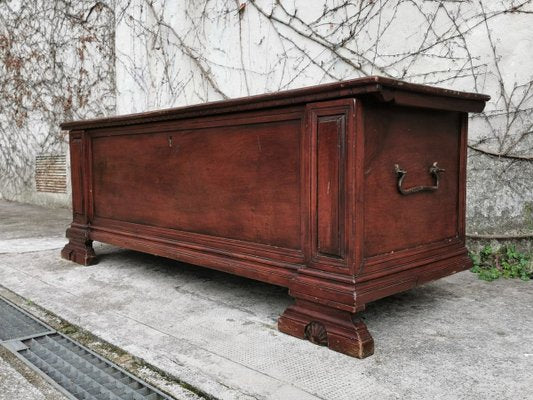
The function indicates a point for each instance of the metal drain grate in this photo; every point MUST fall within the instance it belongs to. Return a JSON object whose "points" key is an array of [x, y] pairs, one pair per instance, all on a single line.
{"points": [[81, 372], [77, 371], [15, 323]]}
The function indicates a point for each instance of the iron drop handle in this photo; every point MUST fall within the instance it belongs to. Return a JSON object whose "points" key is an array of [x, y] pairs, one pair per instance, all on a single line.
{"points": [[434, 170]]}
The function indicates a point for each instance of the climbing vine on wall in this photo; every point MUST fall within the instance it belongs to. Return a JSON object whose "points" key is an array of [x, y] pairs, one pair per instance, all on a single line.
{"points": [[56, 63], [214, 49], [58, 60]]}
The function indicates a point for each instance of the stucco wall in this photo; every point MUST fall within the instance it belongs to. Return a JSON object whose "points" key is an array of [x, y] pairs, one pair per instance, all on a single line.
{"points": [[56, 64], [177, 53], [153, 54]]}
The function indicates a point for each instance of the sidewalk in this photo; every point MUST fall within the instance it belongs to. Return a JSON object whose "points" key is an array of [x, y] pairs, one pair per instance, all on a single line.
{"points": [[452, 339]]}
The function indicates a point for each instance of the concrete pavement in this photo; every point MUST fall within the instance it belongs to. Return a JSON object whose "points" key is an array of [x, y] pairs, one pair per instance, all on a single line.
{"points": [[457, 338]]}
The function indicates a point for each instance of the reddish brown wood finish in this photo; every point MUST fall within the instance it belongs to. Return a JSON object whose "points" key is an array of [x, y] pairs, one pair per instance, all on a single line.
{"points": [[296, 188], [414, 139]]}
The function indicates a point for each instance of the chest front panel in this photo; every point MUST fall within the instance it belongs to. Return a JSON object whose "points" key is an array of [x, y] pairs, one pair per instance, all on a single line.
{"points": [[237, 182]]}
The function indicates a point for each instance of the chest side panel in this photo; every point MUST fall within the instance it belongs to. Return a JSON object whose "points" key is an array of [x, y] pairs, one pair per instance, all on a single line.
{"points": [[413, 139], [232, 181]]}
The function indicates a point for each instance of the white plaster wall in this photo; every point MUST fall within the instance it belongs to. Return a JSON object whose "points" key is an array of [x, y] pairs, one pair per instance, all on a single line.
{"points": [[170, 45], [173, 53], [56, 64], [72, 60]]}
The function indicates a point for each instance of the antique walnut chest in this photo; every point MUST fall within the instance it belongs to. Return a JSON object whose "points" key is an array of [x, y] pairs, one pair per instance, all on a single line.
{"points": [[344, 193]]}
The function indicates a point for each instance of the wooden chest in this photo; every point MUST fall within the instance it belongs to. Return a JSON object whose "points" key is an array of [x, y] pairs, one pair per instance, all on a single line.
{"points": [[344, 193]]}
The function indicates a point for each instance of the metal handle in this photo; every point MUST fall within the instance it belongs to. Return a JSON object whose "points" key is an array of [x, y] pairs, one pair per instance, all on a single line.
{"points": [[433, 170]]}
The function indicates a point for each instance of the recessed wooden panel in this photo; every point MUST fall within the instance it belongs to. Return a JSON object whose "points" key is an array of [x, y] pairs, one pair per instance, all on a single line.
{"points": [[332, 166], [237, 182], [76, 174], [414, 139], [330, 189]]}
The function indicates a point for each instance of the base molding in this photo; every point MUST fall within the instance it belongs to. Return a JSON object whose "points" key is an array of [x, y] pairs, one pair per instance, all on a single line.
{"points": [[79, 248], [336, 329]]}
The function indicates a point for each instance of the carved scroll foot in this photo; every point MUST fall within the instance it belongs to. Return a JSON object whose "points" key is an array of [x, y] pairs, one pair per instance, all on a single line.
{"points": [[79, 248], [329, 327]]}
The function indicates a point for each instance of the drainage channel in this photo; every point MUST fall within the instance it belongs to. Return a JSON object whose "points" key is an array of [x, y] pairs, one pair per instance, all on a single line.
{"points": [[76, 371]]}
